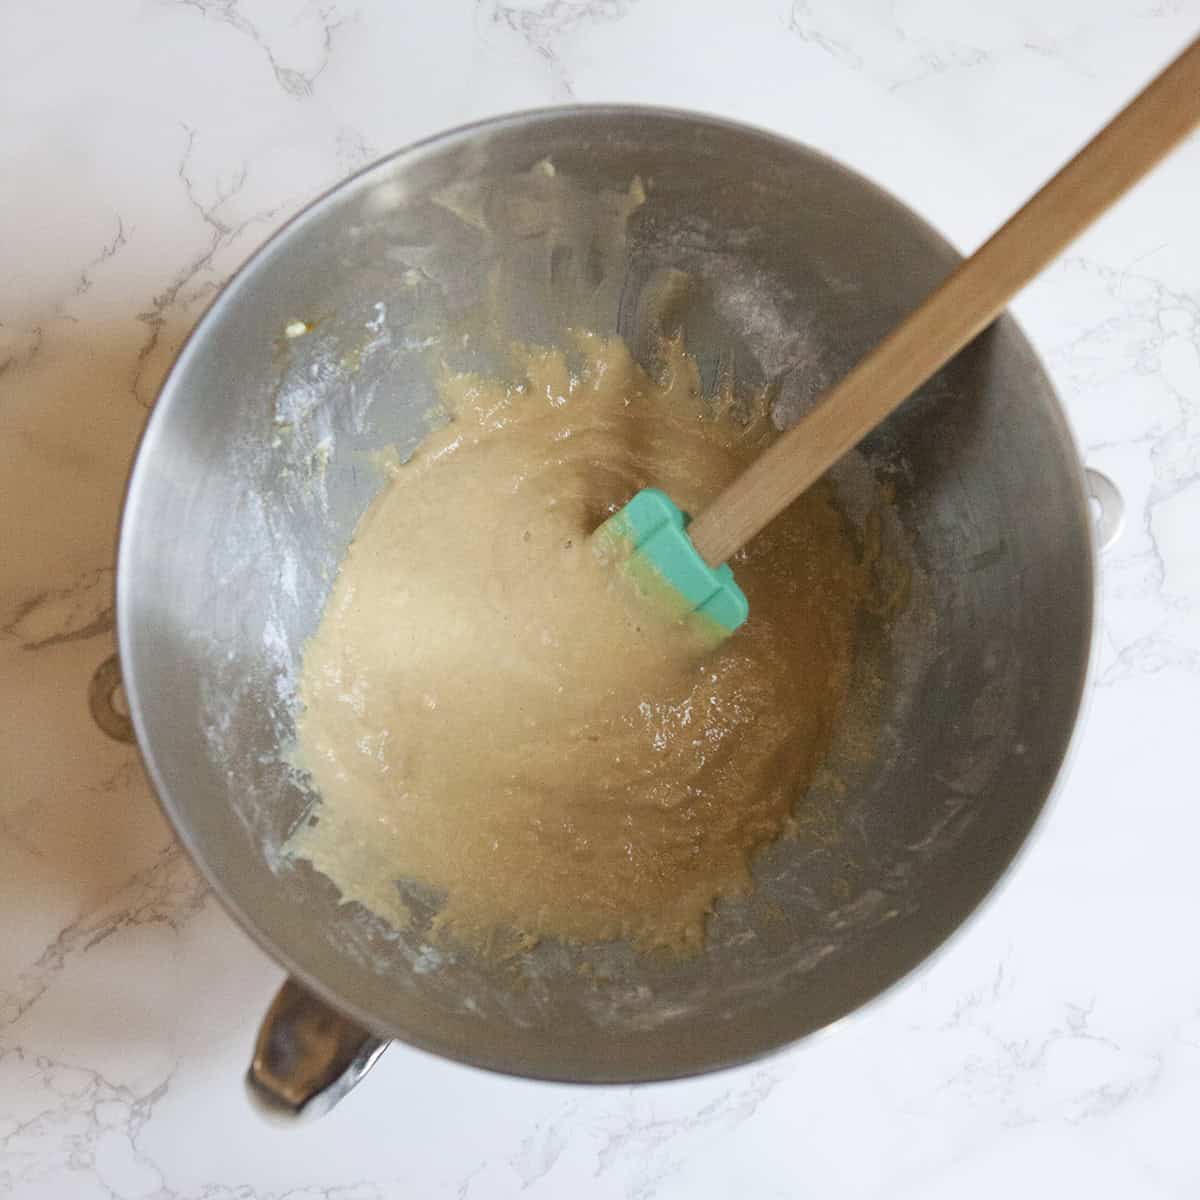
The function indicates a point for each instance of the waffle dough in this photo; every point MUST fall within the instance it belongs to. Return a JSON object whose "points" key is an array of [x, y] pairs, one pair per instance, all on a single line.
{"points": [[489, 714]]}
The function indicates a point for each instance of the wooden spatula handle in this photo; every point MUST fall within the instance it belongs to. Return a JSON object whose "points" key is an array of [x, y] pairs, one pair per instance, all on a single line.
{"points": [[968, 301]]}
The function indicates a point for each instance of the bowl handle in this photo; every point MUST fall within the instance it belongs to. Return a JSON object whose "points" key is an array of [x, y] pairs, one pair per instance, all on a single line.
{"points": [[1108, 508], [307, 1057]]}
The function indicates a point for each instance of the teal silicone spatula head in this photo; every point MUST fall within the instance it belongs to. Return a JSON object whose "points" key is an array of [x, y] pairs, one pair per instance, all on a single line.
{"points": [[649, 537]]}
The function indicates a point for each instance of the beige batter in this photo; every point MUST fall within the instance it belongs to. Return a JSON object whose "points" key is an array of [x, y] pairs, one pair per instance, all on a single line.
{"points": [[489, 712]]}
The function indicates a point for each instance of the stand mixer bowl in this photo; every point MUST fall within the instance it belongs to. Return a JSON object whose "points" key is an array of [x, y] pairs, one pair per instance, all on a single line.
{"points": [[776, 264]]}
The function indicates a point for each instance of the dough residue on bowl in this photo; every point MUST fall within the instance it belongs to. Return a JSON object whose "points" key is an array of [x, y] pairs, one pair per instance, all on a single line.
{"points": [[489, 713]]}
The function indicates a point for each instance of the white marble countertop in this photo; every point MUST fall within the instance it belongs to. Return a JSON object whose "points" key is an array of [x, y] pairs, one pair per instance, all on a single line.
{"points": [[146, 147]]}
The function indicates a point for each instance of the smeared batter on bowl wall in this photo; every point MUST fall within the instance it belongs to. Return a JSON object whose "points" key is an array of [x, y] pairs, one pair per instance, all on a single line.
{"points": [[488, 713]]}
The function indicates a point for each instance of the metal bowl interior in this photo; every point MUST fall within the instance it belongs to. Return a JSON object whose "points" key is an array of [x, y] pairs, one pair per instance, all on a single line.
{"points": [[255, 468]]}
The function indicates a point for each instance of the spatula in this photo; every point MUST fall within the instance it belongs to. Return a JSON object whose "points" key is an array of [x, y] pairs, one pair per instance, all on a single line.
{"points": [[689, 557]]}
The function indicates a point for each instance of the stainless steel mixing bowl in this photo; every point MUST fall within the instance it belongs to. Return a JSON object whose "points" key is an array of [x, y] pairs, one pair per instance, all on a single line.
{"points": [[781, 267]]}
